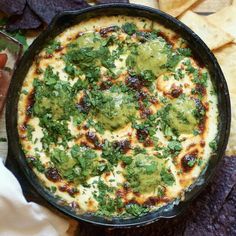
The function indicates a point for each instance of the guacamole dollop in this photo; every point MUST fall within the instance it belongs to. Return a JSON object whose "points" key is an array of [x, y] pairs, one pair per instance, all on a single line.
{"points": [[151, 56], [181, 115], [115, 111]]}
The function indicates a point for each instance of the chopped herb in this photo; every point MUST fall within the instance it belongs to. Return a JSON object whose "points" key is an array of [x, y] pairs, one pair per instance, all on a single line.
{"points": [[191, 162], [213, 145], [129, 28], [185, 52], [175, 145], [35, 161], [2, 139], [53, 189], [111, 153], [167, 177], [196, 132], [29, 129], [136, 210], [127, 160], [107, 205], [24, 91], [148, 76], [96, 125], [52, 47]]}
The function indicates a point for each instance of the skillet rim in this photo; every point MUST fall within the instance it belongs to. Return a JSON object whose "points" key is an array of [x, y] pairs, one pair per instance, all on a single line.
{"points": [[37, 45]]}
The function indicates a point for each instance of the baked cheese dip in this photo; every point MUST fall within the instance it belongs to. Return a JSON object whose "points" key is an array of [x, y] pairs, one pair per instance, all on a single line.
{"points": [[117, 118]]}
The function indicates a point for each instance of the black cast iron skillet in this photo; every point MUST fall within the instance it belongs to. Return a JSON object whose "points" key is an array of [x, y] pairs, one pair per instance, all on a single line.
{"points": [[200, 51]]}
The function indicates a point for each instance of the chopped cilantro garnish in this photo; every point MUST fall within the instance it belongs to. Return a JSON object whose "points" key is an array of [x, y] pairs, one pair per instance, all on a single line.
{"points": [[52, 47], [213, 145], [111, 153], [136, 210], [107, 205], [129, 28], [24, 91], [29, 129], [2, 139], [175, 145], [196, 132], [185, 52], [167, 177], [148, 76], [36, 163], [53, 189], [191, 163]]}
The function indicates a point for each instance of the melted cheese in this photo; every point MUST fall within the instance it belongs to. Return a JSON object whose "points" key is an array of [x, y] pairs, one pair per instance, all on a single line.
{"points": [[84, 196]]}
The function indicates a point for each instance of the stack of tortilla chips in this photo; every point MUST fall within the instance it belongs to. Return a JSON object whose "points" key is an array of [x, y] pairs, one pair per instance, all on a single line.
{"points": [[218, 31]]}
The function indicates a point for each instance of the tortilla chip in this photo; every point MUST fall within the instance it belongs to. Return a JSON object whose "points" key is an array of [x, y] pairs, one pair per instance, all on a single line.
{"points": [[12, 7], [225, 19], [231, 148], [209, 33], [175, 7], [47, 9], [149, 3], [28, 20], [234, 2], [226, 57]]}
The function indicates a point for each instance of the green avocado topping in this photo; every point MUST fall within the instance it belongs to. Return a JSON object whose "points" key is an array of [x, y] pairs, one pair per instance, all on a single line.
{"points": [[86, 40], [151, 56], [115, 110], [147, 174], [181, 115], [78, 166]]}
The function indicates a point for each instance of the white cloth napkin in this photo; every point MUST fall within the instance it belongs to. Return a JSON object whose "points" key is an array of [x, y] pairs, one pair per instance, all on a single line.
{"points": [[21, 218]]}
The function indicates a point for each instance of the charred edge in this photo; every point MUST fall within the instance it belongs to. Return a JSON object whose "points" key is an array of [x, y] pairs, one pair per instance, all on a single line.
{"points": [[148, 143], [202, 143], [70, 190], [142, 134], [144, 111], [200, 89], [83, 106], [135, 83], [52, 174], [93, 138], [166, 38], [188, 161], [29, 106], [123, 145], [105, 85], [48, 56], [104, 31], [176, 91], [78, 35]]}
